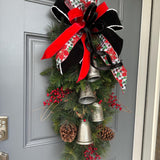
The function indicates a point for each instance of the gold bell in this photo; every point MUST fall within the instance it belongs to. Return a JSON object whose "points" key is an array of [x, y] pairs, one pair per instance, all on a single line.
{"points": [[84, 134], [87, 96], [97, 115], [93, 74]]}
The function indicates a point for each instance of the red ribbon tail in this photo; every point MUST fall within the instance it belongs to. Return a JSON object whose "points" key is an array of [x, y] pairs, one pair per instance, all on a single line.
{"points": [[61, 40], [86, 61]]}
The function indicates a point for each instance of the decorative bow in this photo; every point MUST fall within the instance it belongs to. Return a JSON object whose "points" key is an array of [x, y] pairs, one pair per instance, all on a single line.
{"points": [[87, 19]]}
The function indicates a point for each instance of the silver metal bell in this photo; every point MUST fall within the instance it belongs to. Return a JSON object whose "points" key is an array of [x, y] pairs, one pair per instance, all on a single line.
{"points": [[93, 74], [87, 96], [84, 134], [97, 115]]}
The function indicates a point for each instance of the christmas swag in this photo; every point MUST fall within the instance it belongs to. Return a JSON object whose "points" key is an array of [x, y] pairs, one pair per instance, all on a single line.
{"points": [[86, 66]]}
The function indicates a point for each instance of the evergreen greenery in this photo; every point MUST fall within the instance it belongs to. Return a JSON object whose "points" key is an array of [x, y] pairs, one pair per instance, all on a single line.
{"points": [[68, 108]]}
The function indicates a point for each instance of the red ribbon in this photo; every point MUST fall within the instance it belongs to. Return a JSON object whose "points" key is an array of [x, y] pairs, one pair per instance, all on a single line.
{"points": [[76, 19]]}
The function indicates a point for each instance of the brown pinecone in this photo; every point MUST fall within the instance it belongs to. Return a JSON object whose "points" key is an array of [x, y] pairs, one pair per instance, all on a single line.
{"points": [[105, 133], [68, 132]]}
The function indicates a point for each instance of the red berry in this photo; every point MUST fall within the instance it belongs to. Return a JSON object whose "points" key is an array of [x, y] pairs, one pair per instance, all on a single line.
{"points": [[47, 94], [89, 148], [100, 102], [84, 120]]}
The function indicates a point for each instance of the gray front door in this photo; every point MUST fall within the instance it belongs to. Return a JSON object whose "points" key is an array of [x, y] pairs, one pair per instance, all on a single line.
{"points": [[23, 28]]}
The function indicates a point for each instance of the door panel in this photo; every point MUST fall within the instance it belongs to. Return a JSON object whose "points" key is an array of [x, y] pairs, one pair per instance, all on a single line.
{"points": [[37, 130], [23, 28]]}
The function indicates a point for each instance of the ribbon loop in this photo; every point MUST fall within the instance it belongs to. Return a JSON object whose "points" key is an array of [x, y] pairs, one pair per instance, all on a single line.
{"points": [[75, 14], [61, 40], [90, 13], [110, 20]]}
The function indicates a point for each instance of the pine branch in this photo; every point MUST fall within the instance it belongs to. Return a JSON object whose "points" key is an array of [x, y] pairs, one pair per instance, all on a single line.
{"points": [[68, 108]]}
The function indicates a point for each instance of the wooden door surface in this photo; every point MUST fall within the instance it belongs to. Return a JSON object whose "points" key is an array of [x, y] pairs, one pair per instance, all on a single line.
{"points": [[23, 28]]}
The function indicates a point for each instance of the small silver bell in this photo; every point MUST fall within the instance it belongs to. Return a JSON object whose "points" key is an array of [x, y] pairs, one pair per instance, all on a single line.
{"points": [[84, 134], [97, 115], [87, 96], [93, 74]]}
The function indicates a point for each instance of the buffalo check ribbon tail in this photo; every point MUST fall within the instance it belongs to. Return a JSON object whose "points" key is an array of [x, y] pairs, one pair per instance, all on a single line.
{"points": [[120, 73]]}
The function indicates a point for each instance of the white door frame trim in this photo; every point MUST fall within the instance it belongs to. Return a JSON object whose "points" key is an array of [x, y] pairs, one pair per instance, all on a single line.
{"points": [[142, 79], [153, 87], [148, 83]]}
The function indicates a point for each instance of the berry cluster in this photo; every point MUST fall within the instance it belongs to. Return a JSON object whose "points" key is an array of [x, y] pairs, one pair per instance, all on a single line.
{"points": [[113, 102], [56, 96], [91, 154]]}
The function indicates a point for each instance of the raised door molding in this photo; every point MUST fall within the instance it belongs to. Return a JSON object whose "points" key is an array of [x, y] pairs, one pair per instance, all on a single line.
{"points": [[36, 131], [44, 2], [121, 9]]}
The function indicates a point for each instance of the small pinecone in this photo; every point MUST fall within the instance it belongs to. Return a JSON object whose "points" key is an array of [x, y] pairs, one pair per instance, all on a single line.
{"points": [[105, 133], [68, 132]]}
